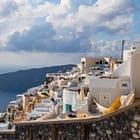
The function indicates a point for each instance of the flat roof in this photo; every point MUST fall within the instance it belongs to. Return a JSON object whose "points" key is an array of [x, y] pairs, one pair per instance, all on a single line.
{"points": [[73, 88]]}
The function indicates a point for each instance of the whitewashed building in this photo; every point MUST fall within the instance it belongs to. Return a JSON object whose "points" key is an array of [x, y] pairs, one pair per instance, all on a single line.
{"points": [[69, 99], [124, 79]]}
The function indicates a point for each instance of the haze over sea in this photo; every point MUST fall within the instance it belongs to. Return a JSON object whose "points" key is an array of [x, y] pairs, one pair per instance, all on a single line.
{"points": [[5, 98]]}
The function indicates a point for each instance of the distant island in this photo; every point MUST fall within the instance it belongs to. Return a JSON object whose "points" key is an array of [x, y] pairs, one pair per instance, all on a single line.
{"points": [[25, 79]]}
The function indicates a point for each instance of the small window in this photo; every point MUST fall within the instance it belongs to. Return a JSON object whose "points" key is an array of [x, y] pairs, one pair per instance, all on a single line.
{"points": [[78, 91], [83, 62], [97, 63], [85, 94], [101, 62], [124, 84], [106, 63]]}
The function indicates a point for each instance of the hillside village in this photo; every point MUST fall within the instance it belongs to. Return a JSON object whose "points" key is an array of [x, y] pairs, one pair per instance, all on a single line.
{"points": [[96, 87]]}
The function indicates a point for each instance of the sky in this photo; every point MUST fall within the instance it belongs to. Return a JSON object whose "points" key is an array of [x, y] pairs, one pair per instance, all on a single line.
{"points": [[36, 33]]}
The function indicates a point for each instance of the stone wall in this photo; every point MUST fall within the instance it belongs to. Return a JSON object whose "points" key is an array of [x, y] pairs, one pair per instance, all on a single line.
{"points": [[7, 135], [123, 124]]}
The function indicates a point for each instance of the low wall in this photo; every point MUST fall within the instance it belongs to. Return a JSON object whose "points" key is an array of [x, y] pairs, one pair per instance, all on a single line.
{"points": [[7, 135], [123, 124]]}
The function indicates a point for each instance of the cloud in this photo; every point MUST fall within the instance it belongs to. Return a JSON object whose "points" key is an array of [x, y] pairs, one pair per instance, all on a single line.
{"points": [[99, 16], [31, 39], [65, 26], [7, 8], [30, 59], [43, 38], [102, 48]]}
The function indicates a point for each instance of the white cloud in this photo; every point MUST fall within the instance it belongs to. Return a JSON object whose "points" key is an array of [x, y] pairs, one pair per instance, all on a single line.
{"points": [[102, 48], [29, 59], [17, 19], [72, 15], [97, 16], [74, 22]]}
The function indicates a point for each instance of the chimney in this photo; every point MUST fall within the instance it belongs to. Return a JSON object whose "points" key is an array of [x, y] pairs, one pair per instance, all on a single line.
{"points": [[123, 42]]}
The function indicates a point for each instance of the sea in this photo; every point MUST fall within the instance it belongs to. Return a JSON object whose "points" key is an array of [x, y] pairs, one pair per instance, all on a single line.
{"points": [[5, 98]]}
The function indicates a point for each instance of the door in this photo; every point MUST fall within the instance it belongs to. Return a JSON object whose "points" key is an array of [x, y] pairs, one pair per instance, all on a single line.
{"points": [[105, 99], [68, 107]]}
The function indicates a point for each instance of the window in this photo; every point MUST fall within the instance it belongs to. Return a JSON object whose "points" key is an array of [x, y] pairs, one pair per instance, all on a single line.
{"points": [[101, 62], [124, 84], [85, 94], [83, 62], [78, 91], [105, 98], [106, 63], [97, 63]]}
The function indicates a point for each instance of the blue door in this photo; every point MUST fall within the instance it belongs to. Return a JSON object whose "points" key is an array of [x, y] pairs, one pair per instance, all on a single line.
{"points": [[68, 107]]}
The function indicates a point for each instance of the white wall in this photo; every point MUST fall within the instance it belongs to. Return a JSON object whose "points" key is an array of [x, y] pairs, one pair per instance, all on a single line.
{"points": [[69, 97], [135, 73], [111, 86], [123, 69], [103, 83]]}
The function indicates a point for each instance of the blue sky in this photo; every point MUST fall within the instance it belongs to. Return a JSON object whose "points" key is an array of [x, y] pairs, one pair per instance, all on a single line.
{"points": [[38, 33]]}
